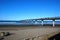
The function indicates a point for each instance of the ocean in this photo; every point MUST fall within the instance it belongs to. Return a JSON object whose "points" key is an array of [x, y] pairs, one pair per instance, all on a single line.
{"points": [[30, 23]]}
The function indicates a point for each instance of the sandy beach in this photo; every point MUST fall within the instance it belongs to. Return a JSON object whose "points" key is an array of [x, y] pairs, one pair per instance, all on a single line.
{"points": [[21, 33]]}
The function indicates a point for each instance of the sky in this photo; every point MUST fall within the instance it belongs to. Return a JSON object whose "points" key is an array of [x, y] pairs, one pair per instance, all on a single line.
{"points": [[28, 9]]}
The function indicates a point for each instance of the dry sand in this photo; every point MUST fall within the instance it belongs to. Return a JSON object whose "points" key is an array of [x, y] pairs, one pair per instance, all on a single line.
{"points": [[21, 33]]}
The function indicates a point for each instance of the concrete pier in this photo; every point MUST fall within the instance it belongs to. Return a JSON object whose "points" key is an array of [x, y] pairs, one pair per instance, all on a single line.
{"points": [[53, 23], [42, 23]]}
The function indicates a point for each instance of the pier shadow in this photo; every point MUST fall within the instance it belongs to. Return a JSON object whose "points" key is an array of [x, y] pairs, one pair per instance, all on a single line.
{"points": [[55, 37]]}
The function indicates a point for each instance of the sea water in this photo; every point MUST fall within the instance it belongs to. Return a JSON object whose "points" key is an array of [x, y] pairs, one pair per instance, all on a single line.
{"points": [[29, 22]]}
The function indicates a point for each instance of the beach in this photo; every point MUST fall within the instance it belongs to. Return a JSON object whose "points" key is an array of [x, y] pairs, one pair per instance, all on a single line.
{"points": [[22, 33]]}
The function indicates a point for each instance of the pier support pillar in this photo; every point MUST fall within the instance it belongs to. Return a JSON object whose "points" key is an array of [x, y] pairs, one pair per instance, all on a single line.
{"points": [[42, 23], [35, 21], [53, 23]]}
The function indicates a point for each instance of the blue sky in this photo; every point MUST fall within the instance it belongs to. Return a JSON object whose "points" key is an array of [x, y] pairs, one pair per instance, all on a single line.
{"points": [[28, 9]]}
